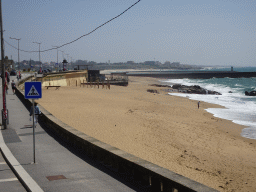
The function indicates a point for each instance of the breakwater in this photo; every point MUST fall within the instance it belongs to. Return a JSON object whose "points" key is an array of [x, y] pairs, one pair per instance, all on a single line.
{"points": [[193, 74]]}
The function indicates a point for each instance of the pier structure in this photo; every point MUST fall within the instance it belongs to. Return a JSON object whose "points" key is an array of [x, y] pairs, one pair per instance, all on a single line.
{"points": [[193, 74]]}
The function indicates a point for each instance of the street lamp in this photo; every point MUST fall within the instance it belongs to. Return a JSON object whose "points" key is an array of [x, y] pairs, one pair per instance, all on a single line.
{"points": [[39, 56], [63, 55], [18, 51], [57, 57], [67, 60], [71, 64]]}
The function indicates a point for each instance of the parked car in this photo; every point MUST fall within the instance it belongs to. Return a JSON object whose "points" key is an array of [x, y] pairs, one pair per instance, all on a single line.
{"points": [[13, 73], [49, 70]]}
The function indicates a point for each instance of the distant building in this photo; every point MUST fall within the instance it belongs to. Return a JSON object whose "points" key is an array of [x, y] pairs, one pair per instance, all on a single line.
{"points": [[167, 63], [175, 64], [149, 62], [130, 62]]}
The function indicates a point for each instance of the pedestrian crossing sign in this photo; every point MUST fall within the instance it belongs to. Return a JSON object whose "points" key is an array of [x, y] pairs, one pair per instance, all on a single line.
{"points": [[33, 90]]}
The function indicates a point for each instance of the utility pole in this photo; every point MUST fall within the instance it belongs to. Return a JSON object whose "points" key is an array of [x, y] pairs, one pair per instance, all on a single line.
{"points": [[63, 59], [18, 51], [4, 110], [71, 64], [67, 61], [39, 56], [57, 57], [63, 55]]}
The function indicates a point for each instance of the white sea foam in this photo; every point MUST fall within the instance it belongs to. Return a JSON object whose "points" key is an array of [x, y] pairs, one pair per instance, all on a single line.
{"points": [[239, 108]]}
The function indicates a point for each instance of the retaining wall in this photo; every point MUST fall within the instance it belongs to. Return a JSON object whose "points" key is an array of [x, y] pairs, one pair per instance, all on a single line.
{"points": [[149, 174]]}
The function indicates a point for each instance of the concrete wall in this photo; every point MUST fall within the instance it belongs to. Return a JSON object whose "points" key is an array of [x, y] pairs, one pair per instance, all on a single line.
{"points": [[154, 177], [66, 79]]}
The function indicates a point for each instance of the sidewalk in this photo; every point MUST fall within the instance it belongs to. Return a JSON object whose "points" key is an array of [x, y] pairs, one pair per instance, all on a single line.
{"points": [[58, 167]]}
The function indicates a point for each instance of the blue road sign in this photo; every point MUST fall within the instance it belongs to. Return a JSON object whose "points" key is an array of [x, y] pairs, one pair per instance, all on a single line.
{"points": [[33, 90]]}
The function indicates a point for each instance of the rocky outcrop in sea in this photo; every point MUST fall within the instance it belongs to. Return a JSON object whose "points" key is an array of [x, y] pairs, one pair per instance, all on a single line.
{"points": [[194, 89], [252, 93]]}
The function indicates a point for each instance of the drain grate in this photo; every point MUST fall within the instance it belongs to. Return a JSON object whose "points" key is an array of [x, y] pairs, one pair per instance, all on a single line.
{"points": [[56, 177]]}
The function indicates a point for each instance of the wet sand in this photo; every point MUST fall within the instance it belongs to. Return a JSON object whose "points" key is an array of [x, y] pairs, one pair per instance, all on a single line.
{"points": [[166, 130]]}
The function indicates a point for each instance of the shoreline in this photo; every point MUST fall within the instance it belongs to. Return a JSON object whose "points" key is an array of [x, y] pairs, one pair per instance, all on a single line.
{"points": [[161, 82], [218, 113], [166, 130]]}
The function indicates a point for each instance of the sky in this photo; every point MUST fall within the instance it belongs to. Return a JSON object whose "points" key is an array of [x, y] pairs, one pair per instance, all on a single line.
{"points": [[196, 32]]}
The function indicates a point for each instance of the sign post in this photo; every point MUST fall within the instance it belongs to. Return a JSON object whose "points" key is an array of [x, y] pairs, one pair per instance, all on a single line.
{"points": [[33, 90]]}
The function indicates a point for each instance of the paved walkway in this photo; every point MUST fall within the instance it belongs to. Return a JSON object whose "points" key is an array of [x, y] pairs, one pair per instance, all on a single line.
{"points": [[57, 167], [8, 181]]}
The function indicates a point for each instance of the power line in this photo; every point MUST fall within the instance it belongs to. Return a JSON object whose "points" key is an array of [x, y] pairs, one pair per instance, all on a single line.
{"points": [[82, 35]]}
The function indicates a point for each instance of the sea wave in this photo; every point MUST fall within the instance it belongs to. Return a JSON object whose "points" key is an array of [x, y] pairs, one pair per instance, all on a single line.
{"points": [[239, 108]]}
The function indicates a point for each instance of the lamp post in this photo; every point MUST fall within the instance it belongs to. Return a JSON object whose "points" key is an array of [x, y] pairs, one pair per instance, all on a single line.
{"points": [[41, 67], [63, 55], [18, 51], [71, 64], [67, 60], [57, 57]]}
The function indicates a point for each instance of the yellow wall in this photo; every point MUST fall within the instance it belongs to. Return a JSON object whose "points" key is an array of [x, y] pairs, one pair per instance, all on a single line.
{"points": [[68, 79]]}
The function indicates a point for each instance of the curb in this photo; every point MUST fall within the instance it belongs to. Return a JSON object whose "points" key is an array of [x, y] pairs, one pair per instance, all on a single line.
{"points": [[25, 179]]}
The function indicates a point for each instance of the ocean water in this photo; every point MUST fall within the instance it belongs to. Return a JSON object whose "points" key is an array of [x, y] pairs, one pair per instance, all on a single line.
{"points": [[239, 108]]}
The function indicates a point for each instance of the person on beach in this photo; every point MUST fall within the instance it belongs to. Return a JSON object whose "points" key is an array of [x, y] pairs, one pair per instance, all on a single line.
{"points": [[37, 113], [13, 86], [198, 104]]}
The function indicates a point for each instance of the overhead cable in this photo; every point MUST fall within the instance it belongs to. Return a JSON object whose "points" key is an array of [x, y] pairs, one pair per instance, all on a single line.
{"points": [[80, 36]]}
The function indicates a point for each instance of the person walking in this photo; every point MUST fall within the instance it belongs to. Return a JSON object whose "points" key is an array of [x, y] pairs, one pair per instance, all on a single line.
{"points": [[13, 86], [7, 76], [198, 104], [37, 113], [7, 89]]}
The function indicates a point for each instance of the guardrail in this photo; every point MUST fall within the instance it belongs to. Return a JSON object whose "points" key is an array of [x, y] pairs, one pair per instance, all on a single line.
{"points": [[149, 174]]}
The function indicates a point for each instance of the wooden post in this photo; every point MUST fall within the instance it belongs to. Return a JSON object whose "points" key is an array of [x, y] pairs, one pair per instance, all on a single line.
{"points": [[108, 84]]}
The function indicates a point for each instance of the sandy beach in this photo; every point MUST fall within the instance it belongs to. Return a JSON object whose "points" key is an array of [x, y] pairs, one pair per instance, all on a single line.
{"points": [[166, 130]]}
